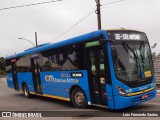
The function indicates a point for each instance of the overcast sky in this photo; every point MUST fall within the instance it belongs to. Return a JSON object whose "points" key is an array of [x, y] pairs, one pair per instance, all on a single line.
{"points": [[51, 20]]}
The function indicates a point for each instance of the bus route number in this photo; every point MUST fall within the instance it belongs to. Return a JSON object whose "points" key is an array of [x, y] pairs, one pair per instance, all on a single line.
{"points": [[126, 36]]}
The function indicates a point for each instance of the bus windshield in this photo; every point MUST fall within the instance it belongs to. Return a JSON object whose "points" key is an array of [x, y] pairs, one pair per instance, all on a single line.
{"points": [[132, 61]]}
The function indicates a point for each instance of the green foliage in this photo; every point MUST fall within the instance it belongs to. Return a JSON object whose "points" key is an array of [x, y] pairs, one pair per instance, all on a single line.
{"points": [[2, 64], [2, 73], [2, 67], [154, 54]]}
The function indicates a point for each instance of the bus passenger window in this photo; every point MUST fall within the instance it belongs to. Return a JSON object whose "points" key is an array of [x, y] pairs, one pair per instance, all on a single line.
{"points": [[70, 62]]}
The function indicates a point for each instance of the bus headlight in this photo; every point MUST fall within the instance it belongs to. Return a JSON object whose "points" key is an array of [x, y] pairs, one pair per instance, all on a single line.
{"points": [[121, 91]]}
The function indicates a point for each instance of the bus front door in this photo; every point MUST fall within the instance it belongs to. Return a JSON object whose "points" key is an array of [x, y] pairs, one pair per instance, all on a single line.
{"points": [[97, 75], [36, 75], [14, 75]]}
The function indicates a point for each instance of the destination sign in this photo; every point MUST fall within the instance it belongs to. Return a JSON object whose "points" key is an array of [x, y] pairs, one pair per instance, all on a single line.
{"points": [[126, 35]]}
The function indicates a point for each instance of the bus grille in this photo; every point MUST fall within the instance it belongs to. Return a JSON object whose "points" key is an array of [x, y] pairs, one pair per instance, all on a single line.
{"points": [[140, 97]]}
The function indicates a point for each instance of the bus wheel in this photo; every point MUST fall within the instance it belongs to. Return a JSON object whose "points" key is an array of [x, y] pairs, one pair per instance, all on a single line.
{"points": [[26, 91], [79, 98]]}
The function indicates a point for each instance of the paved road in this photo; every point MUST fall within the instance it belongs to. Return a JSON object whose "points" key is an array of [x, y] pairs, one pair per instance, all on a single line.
{"points": [[14, 101]]}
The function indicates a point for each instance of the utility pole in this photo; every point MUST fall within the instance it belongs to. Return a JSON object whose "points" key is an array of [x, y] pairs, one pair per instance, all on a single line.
{"points": [[36, 38], [98, 12]]}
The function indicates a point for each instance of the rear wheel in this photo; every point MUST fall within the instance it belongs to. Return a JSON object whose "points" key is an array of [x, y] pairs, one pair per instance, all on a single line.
{"points": [[26, 91], [79, 98]]}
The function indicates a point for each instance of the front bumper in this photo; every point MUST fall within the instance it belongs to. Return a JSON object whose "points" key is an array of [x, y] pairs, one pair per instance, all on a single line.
{"points": [[123, 102]]}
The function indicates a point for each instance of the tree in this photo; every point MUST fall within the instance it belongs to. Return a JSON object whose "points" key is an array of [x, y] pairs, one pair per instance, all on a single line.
{"points": [[154, 54], [2, 73], [2, 66]]}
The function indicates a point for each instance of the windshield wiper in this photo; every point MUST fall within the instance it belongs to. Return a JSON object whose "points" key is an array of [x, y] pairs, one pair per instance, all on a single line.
{"points": [[126, 47], [142, 54], [142, 45]]}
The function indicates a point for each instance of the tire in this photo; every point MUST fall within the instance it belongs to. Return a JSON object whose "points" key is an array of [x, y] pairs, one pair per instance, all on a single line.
{"points": [[26, 91], [78, 98]]}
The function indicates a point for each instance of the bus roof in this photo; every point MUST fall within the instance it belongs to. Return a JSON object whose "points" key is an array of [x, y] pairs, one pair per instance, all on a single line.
{"points": [[73, 40], [48, 46]]}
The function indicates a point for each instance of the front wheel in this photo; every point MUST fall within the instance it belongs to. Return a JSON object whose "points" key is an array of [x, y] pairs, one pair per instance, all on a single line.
{"points": [[79, 99]]}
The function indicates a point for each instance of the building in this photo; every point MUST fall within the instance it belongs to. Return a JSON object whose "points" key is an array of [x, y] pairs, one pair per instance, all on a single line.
{"points": [[156, 61]]}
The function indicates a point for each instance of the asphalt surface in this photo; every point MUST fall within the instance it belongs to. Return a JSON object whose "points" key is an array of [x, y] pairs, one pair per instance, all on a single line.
{"points": [[11, 100]]}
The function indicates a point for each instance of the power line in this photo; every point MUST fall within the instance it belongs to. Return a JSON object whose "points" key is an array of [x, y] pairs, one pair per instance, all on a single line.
{"points": [[126, 3], [50, 10], [74, 25], [119, 1], [83, 19], [113, 2], [20, 6]]}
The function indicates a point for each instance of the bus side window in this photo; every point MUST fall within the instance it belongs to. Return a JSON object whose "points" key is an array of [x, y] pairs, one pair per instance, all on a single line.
{"points": [[69, 62], [23, 64]]}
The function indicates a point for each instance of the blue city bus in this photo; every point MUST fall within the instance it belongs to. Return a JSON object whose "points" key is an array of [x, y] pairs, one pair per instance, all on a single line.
{"points": [[105, 68]]}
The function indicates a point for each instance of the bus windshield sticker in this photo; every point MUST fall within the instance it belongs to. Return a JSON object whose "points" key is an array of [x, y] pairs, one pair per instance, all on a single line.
{"points": [[147, 74], [101, 66], [102, 80], [93, 68]]}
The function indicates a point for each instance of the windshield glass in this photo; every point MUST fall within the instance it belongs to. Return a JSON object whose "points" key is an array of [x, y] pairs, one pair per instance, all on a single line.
{"points": [[132, 61]]}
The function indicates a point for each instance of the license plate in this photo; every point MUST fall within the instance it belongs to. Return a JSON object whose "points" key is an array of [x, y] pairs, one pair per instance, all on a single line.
{"points": [[144, 96]]}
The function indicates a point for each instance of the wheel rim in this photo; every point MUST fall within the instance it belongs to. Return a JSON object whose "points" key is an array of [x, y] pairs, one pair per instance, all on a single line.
{"points": [[79, 98], [25, 91]]}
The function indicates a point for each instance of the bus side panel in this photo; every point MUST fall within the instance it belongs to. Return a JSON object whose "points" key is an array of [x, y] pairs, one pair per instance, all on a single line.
{"points": [[109, 88], [27, 78], [59, 83], [110, 97], [10, 80]]}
